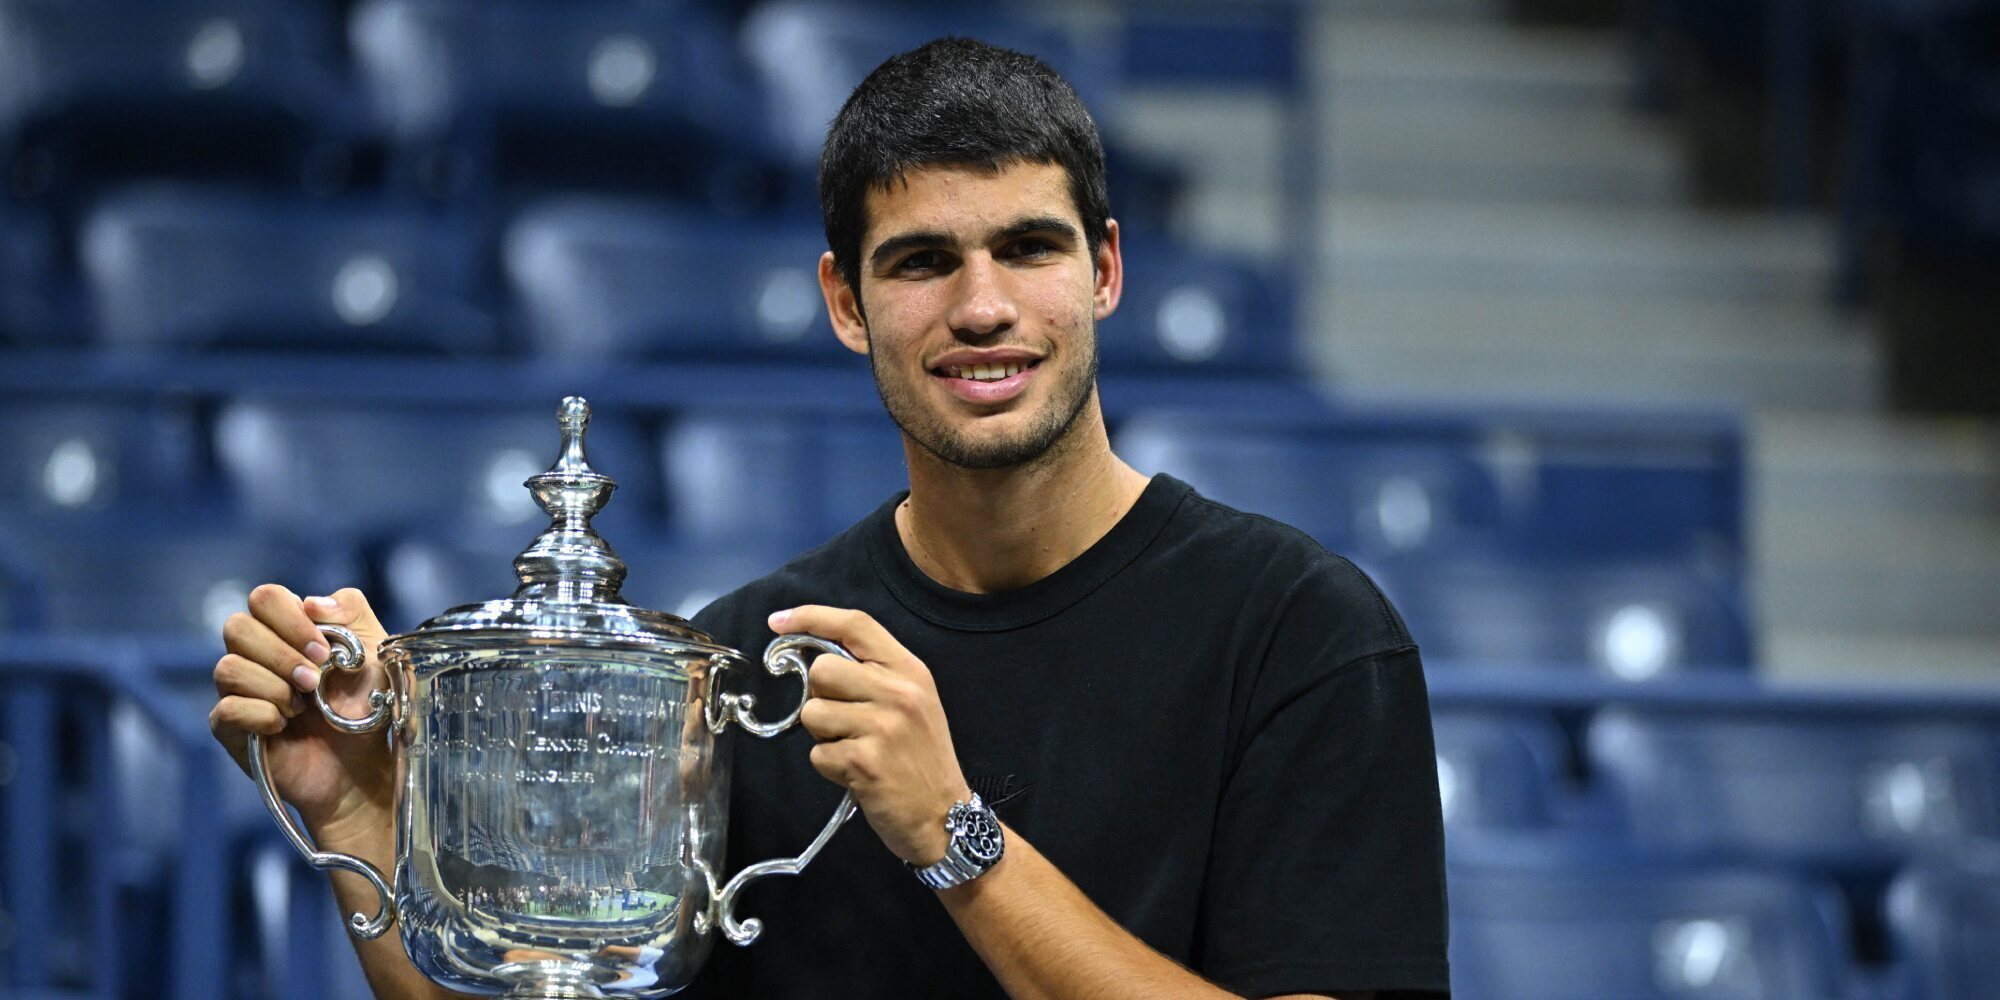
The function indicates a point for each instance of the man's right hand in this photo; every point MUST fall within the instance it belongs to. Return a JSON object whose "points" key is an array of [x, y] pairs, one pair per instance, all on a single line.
{"points": [[341, 784]]}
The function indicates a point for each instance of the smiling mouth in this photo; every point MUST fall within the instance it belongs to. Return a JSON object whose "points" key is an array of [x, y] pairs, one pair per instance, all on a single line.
{"points": [[984, 373]]}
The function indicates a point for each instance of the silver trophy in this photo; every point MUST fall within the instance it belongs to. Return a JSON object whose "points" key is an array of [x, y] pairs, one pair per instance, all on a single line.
{"points": [[562, 773]]}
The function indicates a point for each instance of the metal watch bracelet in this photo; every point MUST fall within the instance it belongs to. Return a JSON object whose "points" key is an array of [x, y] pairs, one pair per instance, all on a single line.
{"points": [[976, 845]]}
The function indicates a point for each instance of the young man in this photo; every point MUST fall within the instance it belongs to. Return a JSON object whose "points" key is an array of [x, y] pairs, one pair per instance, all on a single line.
{"points": [[1188, 751]]}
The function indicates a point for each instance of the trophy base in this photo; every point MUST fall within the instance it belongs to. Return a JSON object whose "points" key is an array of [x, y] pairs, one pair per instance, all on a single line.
{"points": [[554, 985]]}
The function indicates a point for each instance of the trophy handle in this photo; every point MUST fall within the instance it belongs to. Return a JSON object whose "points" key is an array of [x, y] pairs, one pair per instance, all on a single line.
{"points": [[783, 656], [347, 655]]}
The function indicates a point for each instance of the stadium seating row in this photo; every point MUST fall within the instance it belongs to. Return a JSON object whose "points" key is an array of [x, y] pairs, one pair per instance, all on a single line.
{"points": [[662, 92], [1522, 538], [582, 279], [1850, 787], [204, 169]]}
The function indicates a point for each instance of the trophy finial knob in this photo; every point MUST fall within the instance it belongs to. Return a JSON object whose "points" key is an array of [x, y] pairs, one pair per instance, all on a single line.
{"points": [[570, 551], [574, 414]]}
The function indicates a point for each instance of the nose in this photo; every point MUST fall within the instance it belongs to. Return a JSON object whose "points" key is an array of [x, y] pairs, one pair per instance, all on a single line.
{"points": [[982, 303]]}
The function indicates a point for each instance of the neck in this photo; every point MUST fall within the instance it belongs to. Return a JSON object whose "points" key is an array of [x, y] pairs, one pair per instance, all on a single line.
{"points": [[987, 530]]}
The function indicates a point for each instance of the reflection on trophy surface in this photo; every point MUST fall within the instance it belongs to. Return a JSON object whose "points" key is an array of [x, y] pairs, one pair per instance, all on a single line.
{"points": [[562, 773]]}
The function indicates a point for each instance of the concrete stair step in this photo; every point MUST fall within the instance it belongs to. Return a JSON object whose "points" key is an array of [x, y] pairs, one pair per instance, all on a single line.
{"points": [[1473, 144], [1872, 464], [1886, 659], [1436, 244], [1456, 52], [1904, 571], [1469, 108], [1610, 348], [1502, 373]]}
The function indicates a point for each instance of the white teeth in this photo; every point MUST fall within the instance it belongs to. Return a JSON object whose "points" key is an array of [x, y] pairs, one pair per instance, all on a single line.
{"points": [[986, 373]]}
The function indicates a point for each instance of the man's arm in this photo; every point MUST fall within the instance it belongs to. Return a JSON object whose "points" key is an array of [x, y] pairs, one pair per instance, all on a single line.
{"points": [[883, 736], [1044, 939]]}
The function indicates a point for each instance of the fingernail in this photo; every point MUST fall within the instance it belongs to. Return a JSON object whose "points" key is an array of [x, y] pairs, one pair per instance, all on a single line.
{"points": [[305, 678], [316, 651], [325, 605], [298, 703], [778, 619]]}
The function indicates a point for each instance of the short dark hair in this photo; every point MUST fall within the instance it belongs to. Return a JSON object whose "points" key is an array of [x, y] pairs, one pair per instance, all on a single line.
{"points": [[955, 102]]}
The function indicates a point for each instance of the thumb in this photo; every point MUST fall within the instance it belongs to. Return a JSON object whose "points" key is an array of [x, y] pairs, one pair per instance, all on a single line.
{"points": [[348, 607]]}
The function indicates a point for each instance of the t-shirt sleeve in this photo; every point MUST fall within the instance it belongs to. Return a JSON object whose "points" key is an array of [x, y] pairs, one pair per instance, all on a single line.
{"points": [[1327, 871]]}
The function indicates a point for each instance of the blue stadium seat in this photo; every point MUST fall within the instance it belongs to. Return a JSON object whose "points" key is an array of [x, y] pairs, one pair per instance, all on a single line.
{"points": [[811, 55], [791, 478], [190, 268], [626, 95], [167, 579], [1626, 620], [1566, 928], [1502, 540], [863, 467], [1357, 489], [1496, 770], [66, 461], [1665, 488], [599, 279], [785, 479], [96, 89], [1593, 487], [1944, 916], [77, 471], [1192, 310], [329, 472], [1855, 789]]}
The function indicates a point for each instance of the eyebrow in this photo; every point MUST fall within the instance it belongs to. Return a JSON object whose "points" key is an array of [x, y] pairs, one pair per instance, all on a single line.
{"points": [[933, 239]]}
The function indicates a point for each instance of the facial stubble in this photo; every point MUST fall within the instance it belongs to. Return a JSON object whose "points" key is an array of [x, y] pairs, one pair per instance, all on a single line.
{"points": [[1047, 429]]}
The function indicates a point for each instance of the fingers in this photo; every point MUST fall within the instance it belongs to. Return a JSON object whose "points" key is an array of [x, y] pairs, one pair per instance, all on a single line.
{"points": [[236, 716], [855, 630], [236, 675], [349, 607], [284, 615], [835, 720], [841, 679], [252, 639], [836, 762]]}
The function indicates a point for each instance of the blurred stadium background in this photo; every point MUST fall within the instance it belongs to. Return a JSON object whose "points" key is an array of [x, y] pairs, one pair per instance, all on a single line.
{"points": [[1645, 351]]}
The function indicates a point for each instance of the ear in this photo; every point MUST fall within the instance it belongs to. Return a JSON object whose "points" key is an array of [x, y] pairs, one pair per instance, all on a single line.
{"points": [[1109, 273], [842, 307]]}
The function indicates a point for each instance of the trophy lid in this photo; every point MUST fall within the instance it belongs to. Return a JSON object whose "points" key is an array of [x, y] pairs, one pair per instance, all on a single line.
{"points": [[570, 577]]}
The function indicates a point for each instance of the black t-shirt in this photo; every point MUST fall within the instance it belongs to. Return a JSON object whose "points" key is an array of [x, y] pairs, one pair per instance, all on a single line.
{"points": [[1218, 730]]}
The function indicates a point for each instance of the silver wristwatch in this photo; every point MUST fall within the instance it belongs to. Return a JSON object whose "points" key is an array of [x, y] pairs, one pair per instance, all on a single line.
{"points": [[976, 845]]}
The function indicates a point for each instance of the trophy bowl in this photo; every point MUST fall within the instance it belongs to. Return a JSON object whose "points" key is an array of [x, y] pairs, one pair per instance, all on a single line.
{"points": [[562, 773]]}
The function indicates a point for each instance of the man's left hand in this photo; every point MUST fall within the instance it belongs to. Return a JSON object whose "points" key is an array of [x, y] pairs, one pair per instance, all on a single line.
{"points": [[881, 729]]}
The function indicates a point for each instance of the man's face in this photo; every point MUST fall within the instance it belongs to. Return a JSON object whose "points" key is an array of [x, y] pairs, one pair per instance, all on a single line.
{"points": [[979, 300]]}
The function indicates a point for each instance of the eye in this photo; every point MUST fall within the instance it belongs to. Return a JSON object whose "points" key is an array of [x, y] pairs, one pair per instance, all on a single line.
{"points": [[1030, 248], [922, 260]]}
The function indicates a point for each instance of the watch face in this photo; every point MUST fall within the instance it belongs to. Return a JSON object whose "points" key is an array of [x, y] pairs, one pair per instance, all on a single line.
{"points": [[979, 832]]}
